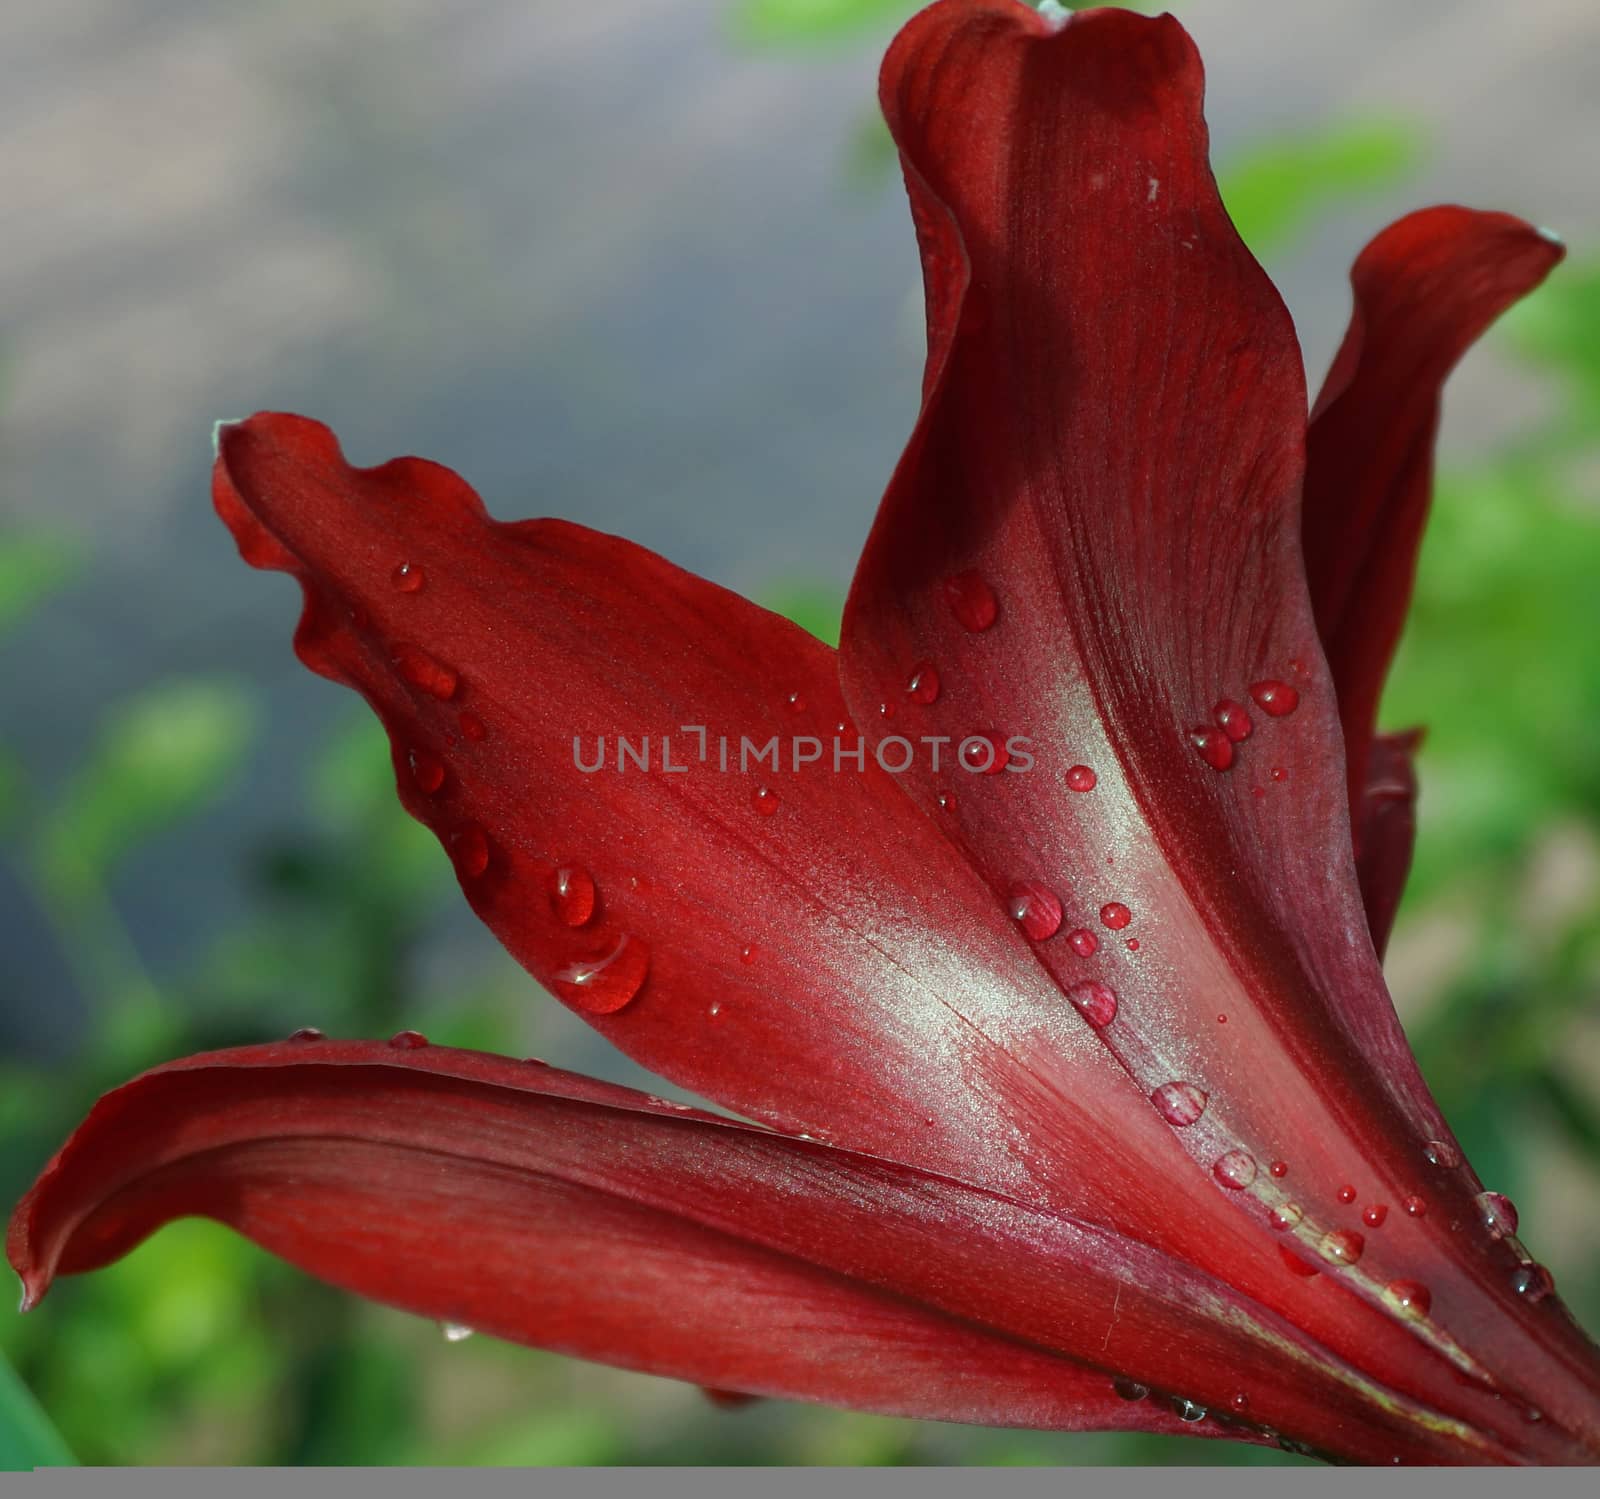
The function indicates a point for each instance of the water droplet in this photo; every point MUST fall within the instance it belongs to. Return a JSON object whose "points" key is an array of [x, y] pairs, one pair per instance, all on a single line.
{"points": [[983, 753], [885, 710], [1279, 1169], [1236, 1170], [1296, 1262], [1373, 1216], [1239, 1401], [1096, 1002], [426, 770], [923, 687], [1187, 1410], [1132, 944], [1276, 699], [1180, 1104], [408, 1040], [1233, 720], [1213, 746], [1083, 942], [1499, 1214], [1279, 773], [1034, 908], [795, 703], [1408, 1297], [1347, 1193], [603, 985], [1443, 1154], [472, 728], [1285, 1216], [1342, 1245], [307, 1033], [1222, 1019], [572, 894], [765, 800], [455, 1332], [408, 577], [972, 601], [947, 802], [424, 673], [1081, 778], [469, 846], [1415, 1207], [1532, 1282], [1130, 1389], [747, 955], [1115, 915]]}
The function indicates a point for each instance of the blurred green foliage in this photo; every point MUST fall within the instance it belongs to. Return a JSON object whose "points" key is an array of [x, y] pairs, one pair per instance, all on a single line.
{"points": [[198, 1348]]}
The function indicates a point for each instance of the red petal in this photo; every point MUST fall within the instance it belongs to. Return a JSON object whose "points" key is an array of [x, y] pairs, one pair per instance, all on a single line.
{"points": [[1425, 290], [1386, 829], [1110, 441], [829, 964], [547, 1209]]}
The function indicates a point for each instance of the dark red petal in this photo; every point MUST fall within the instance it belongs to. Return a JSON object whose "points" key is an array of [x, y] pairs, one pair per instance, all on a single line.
{"points": [[824, 959], [547, 1209], [1425, 290], [1386, 829], [1111, 441]]}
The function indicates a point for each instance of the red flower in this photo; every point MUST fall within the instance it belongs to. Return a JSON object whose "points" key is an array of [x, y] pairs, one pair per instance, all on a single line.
{"points": [[1080, 1098]]}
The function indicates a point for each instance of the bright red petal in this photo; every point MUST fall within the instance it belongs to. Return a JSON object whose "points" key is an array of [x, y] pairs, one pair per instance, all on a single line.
{"points": [[1425, 290], [1094, 539], [1386, 829], [547, 1209]]}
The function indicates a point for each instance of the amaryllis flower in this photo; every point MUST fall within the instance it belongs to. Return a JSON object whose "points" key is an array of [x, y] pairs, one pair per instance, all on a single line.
{"points": [[1076, 1097]]}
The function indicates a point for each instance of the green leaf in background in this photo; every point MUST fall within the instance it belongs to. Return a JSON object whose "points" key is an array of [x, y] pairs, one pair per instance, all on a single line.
{"points": [[1560, 328], [815, 607], [160, 756], [786, 22], [1273, 190], [27, 1439], [31, 568]]}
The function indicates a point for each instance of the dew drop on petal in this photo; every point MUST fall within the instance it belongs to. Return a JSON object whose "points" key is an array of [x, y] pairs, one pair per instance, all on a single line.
{"points": [[1374, 1215], [1279, 1169], [1115, 915], [1180, 1104], [795, 702], [1213, 746], [602, 985], [923, 686], [418, 668], [1081, 778], [1296, 1262], [306, 1033], [983, 753], [1233, 720], [1130, 1389], [469, 846], [455, 1332], [1342, 1245], [426, 770], [1415, 1207], [1236, 1170], [472, 728], [972, 601], [1083, 942], [1347, 1193], [1239, 1401], [408, 577], [408, 1040], [1187, 1410], [1442, 1153], [1285, 1216], [1132, 944], [1408, 1297], [572, 894], [1096, 1002], [1499, 1214], [1035, 908], [765, 800], [747, 955], [1276, 699], [946, 801], [1532, 1282]]}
